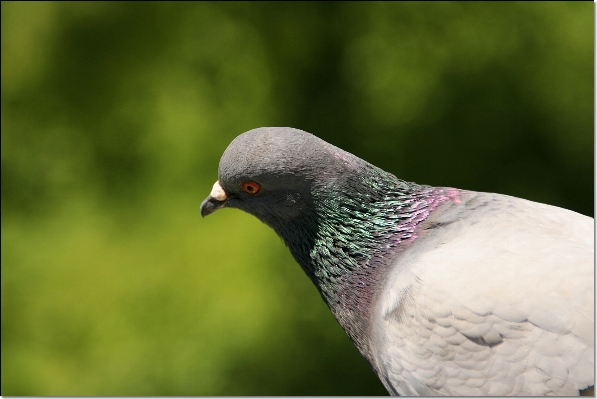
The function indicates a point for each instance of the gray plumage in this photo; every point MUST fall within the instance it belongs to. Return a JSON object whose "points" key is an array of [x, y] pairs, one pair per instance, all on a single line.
{"points": [[443, 291]]}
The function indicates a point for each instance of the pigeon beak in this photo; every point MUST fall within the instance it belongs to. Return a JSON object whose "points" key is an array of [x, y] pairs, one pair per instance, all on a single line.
{"points": [[216, 200]]}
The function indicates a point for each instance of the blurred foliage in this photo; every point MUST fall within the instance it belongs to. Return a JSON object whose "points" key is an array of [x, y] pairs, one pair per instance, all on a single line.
{"points": [[115, 114]]}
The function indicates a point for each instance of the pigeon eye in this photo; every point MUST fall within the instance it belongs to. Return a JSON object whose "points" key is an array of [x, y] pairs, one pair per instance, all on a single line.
{"points": [[251, 187]]}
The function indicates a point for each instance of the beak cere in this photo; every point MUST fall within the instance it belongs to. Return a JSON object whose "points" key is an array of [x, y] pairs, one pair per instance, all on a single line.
{"points": [[217, 192], [216, 200]]}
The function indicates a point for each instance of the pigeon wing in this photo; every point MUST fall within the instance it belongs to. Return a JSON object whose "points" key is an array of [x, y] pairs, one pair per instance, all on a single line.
{"points": [[494, 297]]}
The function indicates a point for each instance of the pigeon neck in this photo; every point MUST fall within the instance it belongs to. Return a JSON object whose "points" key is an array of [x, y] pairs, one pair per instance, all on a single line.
{"points": [[354, 232], [359, 228]]}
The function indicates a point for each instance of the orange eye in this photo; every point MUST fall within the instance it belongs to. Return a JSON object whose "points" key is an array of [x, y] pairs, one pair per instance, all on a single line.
{"points": [[251, 187]]}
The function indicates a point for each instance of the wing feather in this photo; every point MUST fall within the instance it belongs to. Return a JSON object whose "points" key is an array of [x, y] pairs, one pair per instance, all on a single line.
{"points": [[501, 303]]}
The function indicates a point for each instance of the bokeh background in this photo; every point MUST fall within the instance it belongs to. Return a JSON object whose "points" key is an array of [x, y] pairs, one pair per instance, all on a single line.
{"points": [[114, 116]]}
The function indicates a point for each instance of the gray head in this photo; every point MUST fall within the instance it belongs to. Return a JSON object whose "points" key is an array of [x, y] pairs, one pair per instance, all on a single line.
{"points": [[272, 173]]}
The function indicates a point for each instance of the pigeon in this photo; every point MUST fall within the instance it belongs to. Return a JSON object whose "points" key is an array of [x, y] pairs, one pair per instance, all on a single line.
{"points": [[443, 291]]}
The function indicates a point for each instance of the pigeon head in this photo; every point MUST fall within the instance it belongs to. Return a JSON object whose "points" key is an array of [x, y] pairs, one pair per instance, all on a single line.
{"points": [[335, 211], [274, 173]]}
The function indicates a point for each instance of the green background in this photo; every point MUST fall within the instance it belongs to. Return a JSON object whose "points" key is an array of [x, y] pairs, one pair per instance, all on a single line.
{"points": [[114, 116]]}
